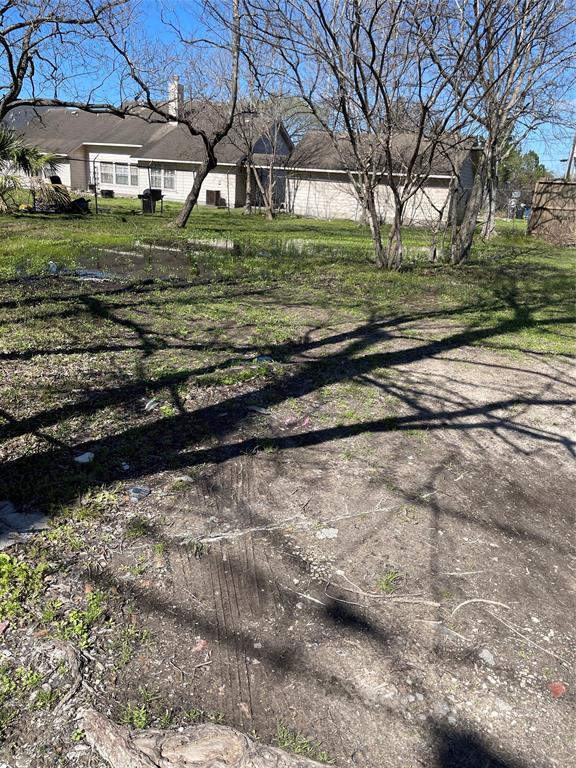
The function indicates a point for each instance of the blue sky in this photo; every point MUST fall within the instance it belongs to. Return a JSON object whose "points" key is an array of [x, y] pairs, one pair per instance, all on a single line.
{"points": [[551, 148], [551, 144]]}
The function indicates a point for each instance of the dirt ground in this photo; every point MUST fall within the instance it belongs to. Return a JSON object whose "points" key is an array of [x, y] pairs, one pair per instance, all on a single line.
{"points": [[380, 558]]}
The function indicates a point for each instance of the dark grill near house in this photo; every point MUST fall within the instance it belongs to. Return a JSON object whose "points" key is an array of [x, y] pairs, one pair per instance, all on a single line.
{"points": [[149, 199]]}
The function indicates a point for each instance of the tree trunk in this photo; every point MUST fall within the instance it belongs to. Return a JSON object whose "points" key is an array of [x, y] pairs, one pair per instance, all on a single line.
{"points": [[248, 203], [267, 197], [208, 165], [394, 250], [371, 213], [203, 746], [463, 233], [489, 227]]}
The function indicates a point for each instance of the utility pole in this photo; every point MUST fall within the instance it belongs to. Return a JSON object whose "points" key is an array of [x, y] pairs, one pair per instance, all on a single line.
{"points": [[571, 161]]}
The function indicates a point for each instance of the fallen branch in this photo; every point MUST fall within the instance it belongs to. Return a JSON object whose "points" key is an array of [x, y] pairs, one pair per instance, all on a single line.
{"points": [[527, 639], [416, 599], [479, 600], [202, 746], [409, 599], [303, 526]]}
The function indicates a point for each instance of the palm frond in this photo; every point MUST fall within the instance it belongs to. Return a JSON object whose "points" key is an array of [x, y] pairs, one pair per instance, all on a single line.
{"points": [[16, 156]]}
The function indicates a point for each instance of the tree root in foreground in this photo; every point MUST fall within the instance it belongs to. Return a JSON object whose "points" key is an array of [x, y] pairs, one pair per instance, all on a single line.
{"points": [[198, 746]]}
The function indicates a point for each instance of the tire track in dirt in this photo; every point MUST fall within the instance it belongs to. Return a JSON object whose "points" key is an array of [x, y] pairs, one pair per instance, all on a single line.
{"points": [[232, 587]]}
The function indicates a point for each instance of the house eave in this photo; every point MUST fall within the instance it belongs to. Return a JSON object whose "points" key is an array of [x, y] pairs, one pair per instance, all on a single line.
{"points": [[344, 171], [180, 162], [109, 144]]}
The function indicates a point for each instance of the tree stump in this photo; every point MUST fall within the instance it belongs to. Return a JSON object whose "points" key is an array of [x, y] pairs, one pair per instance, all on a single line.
{"points": [[198, 746]]}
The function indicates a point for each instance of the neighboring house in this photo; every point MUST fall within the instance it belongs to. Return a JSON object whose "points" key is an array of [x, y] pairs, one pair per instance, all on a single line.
{"points": [[130, 154], [318, 183]]}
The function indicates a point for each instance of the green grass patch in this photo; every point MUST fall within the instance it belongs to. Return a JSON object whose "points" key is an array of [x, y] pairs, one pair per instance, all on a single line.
{"points": [[295, 742], [21, 582]]}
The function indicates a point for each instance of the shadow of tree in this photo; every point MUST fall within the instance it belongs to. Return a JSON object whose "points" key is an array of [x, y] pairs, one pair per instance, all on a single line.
{"points": [[223, 430]]}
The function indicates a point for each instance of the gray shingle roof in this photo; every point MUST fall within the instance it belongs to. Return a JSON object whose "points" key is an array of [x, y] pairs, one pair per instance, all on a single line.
{"points": [[176, 143], [317, 151], [62, 130]]}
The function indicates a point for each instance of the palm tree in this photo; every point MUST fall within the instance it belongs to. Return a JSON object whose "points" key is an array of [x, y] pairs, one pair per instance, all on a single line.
{"points": [[16, 160]]}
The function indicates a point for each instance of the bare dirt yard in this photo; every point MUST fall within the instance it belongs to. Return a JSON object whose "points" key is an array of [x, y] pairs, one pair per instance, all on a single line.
{"points": [[349, 534]]}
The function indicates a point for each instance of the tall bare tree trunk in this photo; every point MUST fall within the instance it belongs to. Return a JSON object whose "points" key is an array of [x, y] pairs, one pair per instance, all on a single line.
{"points": [[463, 233], [394, 249], [491, 187], [370, 212], [248, 203], [208, 165], [266, 195]]}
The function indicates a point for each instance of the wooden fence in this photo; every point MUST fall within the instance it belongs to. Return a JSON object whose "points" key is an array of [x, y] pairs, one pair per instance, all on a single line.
{"points": [[553, 216]]}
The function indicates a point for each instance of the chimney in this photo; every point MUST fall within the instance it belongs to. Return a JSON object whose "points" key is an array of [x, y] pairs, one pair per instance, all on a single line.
{"points": [[175, 105]]}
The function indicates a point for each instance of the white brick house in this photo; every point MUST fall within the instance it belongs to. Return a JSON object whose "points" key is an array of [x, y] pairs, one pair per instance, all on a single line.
{"points": [[319, 185], [129, 154]]}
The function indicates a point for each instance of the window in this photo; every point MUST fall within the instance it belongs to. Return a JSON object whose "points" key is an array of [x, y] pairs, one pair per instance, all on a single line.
{"points": [[106, 173], [122, 174], [133, 175], [156, 178], [169, 179]]}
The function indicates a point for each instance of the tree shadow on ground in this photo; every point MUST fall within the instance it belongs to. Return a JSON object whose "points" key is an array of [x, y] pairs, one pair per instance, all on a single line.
{"points": [[461, 748], [219, 431], [173, 438]]}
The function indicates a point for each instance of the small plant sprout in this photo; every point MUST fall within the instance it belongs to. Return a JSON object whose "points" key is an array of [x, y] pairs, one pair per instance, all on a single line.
{"points": [[390, 581]]}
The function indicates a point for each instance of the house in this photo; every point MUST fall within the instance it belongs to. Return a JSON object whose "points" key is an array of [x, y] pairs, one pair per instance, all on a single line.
{"points": [[318, 181], [127, 155]]}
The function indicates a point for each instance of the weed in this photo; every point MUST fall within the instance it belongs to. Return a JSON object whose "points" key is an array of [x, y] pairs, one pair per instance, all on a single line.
{"points": [[294, 742], [78, 735], [215, 717], [135, 716], [27, 679], [194, 715], [159, 547], [390, 581], [20, 582], [199, 548], [126, 643], [138, 527], [50, 611], [265, 446], [138, 568], [168, 410], [181, 486], [148, 695], [46, 698], [166, 718], [95, 503], [65, 536], [76, 625]]}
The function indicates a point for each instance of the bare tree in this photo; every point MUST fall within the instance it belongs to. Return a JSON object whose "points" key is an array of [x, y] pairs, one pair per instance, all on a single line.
{"points": [[55, 46], [199, 51], [517, 77], [365, 72], [259, 132]]}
